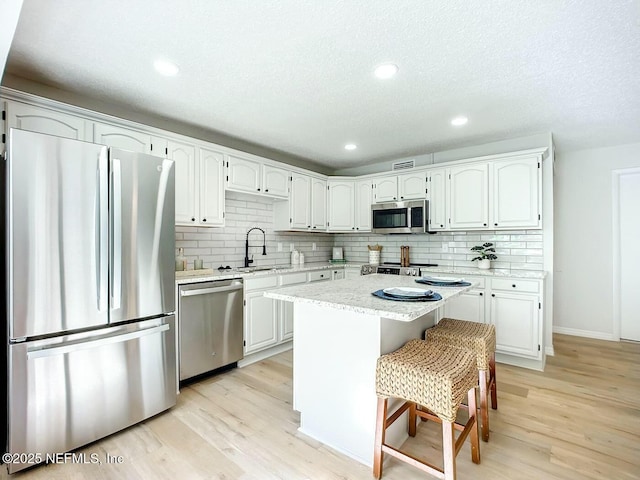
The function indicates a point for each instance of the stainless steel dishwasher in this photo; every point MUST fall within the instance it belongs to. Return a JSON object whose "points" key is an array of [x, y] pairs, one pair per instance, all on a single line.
{"points": [[210, 321]]}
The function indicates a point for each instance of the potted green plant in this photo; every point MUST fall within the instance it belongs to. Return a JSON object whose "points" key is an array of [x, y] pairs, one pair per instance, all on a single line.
{"points": [[485, 253]]}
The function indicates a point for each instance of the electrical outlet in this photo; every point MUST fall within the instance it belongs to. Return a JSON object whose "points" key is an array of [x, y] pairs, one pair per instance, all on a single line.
{"points": [[279, 246], [313, 246]]}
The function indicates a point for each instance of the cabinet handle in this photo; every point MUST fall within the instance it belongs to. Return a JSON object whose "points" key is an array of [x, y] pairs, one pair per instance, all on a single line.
{"points": [[204, 219], [493, 294], [514, 285], [258, 189], [394, 198], [481, 294], [484, 224], [193, 219], [266, 189], [496, 224], [315, 226], [353, 228], [441, 226], [308, 226], [401, 198], [357, 228]]}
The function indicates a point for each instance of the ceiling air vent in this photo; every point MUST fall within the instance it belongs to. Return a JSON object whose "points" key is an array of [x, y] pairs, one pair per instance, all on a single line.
{"points": [[403, 165]]}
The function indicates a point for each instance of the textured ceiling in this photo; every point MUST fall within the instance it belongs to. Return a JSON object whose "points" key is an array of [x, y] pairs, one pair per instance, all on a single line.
{"points": [[297, 75]]}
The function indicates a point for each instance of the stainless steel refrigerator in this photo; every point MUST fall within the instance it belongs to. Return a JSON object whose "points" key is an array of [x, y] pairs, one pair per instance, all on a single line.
{"points": [[89, 293]]}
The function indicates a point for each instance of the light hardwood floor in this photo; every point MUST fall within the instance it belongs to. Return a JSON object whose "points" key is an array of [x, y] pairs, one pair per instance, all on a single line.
{"points": [[579, 419]]}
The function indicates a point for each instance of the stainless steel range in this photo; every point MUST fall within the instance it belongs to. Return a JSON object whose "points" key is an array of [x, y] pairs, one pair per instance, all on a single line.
{"points": [[391, 268]]}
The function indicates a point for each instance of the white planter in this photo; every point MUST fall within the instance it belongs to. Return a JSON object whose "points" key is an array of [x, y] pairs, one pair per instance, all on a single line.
{"points": [[484, 264]]}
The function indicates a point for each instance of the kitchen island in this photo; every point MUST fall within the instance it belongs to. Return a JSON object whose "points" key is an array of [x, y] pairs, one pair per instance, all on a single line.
{"points": [[340, 331]]}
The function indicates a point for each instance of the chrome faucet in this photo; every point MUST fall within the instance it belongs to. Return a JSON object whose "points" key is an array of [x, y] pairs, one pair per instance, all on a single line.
{"points": [[246, 246]]}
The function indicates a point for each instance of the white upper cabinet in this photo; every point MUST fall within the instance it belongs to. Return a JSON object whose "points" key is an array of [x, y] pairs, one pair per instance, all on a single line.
{"points": [[386, 189], [468, 187], [318, 204], [199, 184], [300, 202], [363, 200], [516, 186], [211, 187], [187, 191], [437, 196], [275, 181], [243, 175], [252, 176], [341, 205], [412, 186], [123, 138], [49, 122]]}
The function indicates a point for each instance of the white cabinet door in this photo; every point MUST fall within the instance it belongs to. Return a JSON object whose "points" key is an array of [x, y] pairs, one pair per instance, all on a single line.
{"points": [[341, 205], [318, 204], [123, 138], [516, 318], [275, 181], [516, 193], [41, 120], [363, 205], [211, 187], [351, 272], [437, 199], [261, 325], [286, 321], [386, 189], [468, 196], [186, 173], [412, 186], [469, 306], [300, 201], [337, 274], [243, 175]]}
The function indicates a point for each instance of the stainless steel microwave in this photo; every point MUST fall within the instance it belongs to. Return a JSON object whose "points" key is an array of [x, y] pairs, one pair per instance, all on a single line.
{"points": [[400, 217]]}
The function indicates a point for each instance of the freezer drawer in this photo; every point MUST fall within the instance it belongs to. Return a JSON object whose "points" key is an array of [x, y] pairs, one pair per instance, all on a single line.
{"points": [[71, 390], [211, 326]]}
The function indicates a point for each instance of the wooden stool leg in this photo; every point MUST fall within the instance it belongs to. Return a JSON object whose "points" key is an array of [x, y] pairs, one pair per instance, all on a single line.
{"points": [[412, 420], [381, 419], [475, 438], [492, 379], [449, 450], [484, 404]]}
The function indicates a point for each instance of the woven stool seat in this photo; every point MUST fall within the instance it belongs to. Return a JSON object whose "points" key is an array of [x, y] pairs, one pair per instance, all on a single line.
{"points": [[479, 337], [436, 376]]}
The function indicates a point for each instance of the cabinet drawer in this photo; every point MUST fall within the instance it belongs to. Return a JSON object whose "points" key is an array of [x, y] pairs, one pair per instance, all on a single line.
{"points": [[293, 278], [260, 282], [515, 285], [320, 275]]}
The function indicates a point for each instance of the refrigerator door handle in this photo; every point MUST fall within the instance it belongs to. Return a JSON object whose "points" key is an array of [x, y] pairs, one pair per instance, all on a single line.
{"points": [[102, 232], [59, 349], [116, 279]]}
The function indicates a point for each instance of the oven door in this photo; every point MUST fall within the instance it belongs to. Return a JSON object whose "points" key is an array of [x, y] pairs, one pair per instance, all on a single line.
{"points": [[400, 217]]}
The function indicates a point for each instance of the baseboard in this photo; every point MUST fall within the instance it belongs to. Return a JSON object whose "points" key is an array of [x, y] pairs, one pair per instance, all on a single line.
{"points": [[584, 333], [262, 354], [548, 350]]}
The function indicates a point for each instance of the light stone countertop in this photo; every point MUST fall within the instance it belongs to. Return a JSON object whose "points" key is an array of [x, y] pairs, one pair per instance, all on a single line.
{"points": [[355, 295], [498, 272], [277, 270]]}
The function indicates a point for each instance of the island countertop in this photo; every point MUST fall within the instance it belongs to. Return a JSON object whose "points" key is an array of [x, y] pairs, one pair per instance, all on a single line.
{"points": [[355, 295]]}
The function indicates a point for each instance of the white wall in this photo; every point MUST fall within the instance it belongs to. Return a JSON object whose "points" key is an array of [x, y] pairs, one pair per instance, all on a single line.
{"points": [[9, 14], [583, 238]]}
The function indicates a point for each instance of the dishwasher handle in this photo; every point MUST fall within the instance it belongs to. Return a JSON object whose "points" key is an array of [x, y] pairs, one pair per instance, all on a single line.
{"points": [[205, 291]]}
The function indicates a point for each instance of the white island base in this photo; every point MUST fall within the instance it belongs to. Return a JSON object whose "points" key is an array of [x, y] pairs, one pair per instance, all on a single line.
{"points": [[334, 373]]}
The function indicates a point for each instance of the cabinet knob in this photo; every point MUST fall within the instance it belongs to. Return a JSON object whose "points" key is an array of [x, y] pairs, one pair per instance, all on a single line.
{"points": [[266, 189], [204, 219], [484, 224], [394, 198], [357, 228], [353, 228], [493, 294], [193, 219], [308, 226], [481, 294], [441, 226], [401, 198], [258, 189], [315, 226], [514, 285], [496, 224]]}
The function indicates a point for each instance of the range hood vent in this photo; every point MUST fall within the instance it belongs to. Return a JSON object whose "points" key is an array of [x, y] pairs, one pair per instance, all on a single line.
{"points": [[403, 165]]}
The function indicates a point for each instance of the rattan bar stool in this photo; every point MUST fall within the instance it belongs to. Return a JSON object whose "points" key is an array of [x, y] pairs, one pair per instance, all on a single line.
{"points": [[435, 377], [481, 338]]}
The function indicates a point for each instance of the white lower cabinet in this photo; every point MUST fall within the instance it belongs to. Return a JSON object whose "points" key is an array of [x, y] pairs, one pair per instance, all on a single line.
{"points": [[261, 322], [351, 272], [468, 306], [517, 321], [337, 274]]}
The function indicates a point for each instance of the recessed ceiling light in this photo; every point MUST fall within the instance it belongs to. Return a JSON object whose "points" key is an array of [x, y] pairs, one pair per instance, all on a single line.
{"points": [[459, 121], [386, 70], [165, 67], [350, 146]]}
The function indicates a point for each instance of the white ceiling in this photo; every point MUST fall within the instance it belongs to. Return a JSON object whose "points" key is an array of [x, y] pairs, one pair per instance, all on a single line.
{"points": [[297, 75]]}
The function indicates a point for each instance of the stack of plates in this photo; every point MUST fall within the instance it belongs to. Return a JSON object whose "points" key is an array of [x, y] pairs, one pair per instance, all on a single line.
{"points": [[443, 281], [407, 294]]}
